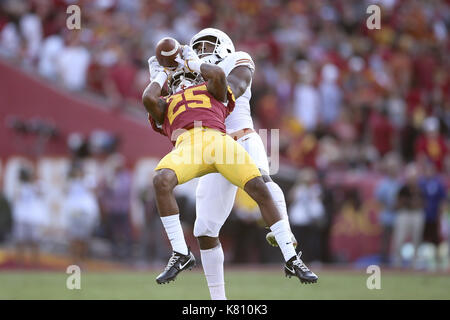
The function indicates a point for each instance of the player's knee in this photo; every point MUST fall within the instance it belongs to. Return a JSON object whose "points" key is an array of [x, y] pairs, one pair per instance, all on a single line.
{"points": [[164, 180], [206, 242], [266, 177]]}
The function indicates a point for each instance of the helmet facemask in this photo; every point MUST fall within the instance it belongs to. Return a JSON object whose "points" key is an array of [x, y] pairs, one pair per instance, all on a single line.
{"points": [[199, 46], [182, 79]]}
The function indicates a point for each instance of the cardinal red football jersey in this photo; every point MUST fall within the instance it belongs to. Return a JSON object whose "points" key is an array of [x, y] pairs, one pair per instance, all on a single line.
{"points": [[194, 104]]}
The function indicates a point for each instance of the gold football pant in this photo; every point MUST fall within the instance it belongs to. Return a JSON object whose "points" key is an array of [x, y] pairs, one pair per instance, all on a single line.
{"points": [[200, 151]]}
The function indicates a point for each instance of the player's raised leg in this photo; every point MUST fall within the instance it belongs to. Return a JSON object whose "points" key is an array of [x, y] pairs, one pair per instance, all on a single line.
{"points": [[280, 202], [164, 182], [242, 172], [253, 144], [294, 266]]}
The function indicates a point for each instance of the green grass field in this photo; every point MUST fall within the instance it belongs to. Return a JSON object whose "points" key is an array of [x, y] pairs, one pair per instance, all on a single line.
{"points": [[259, 285]]}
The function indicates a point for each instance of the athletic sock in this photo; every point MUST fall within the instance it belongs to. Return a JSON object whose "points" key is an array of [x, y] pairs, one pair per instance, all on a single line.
{"points": [[212, 262], [175, 233], [278, 199], [282, 234]]}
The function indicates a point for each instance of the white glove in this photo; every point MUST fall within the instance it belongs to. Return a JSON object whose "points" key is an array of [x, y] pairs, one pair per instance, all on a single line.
{"points": [[189, 54], [154, 68], [158, 73], [189, 59]]}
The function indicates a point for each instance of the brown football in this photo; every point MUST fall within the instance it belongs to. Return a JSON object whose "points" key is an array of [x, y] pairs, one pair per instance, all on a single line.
{"points": [[167, 50]]}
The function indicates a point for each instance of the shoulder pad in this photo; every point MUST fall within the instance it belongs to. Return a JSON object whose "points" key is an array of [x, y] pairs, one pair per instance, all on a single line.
{"points": [[237, 59]]}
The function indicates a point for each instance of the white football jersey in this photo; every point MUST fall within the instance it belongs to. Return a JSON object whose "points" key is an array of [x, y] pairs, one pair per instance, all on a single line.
{"points": [[240, 118]]}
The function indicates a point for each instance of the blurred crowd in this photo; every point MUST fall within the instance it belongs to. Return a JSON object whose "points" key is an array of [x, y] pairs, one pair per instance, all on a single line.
{"points": [[94, 206], [412, 228], [62, 204], [414, 210], [344, 97]]}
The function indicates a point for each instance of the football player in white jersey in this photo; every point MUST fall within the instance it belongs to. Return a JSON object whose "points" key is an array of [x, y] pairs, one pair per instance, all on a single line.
{"points": [[215, 195]]}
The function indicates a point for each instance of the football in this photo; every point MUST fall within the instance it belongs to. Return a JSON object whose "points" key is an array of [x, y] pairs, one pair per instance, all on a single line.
{"points": [[167, 49]]}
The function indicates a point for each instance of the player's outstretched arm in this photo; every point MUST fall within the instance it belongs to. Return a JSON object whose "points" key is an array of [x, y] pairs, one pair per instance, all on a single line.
{"points": [[239, 79], [151, 96], [217, 80], [154, 105]]}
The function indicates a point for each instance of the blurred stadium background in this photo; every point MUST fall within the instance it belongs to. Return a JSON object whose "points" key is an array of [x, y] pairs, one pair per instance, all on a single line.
{"points": [[362, 114]]}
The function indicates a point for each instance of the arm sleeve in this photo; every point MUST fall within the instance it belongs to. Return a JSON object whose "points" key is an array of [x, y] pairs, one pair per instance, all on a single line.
{"points": [[238, 59], [244, 59]]}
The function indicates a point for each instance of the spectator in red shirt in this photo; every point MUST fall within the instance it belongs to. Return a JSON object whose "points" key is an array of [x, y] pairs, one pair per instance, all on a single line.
{"points": [[120, 80], [382, 131], [431, 144]]}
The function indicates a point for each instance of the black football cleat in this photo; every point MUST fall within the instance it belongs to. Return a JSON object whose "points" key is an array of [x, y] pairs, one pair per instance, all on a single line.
{"points": [[177, 263], [295, 267]]}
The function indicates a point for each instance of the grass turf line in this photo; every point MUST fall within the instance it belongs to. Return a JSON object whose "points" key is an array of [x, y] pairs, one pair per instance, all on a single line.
{"points": [[257, 285]]}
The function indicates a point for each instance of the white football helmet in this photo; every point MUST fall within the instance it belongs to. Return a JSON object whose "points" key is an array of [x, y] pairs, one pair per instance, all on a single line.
{"points": [[181, 79], [223, 46]]}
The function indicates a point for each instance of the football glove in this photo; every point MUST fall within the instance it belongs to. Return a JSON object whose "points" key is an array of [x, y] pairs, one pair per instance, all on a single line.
{"points": [[189, 60], [155, 68]]}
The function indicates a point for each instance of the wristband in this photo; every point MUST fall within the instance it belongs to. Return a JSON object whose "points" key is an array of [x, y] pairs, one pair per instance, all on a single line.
{"points": [[194, 65], [160, 78]]}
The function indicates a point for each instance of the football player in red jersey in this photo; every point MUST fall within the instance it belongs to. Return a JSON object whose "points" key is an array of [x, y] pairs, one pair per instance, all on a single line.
{"points": [[202, 150]]}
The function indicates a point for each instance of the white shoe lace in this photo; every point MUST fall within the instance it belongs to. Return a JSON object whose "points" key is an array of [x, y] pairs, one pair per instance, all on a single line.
{"points": [[299, 263], [173, 259]]}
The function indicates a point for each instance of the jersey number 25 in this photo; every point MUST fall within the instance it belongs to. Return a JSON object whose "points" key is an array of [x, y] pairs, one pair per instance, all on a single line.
{"points": [[199, 100]]}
